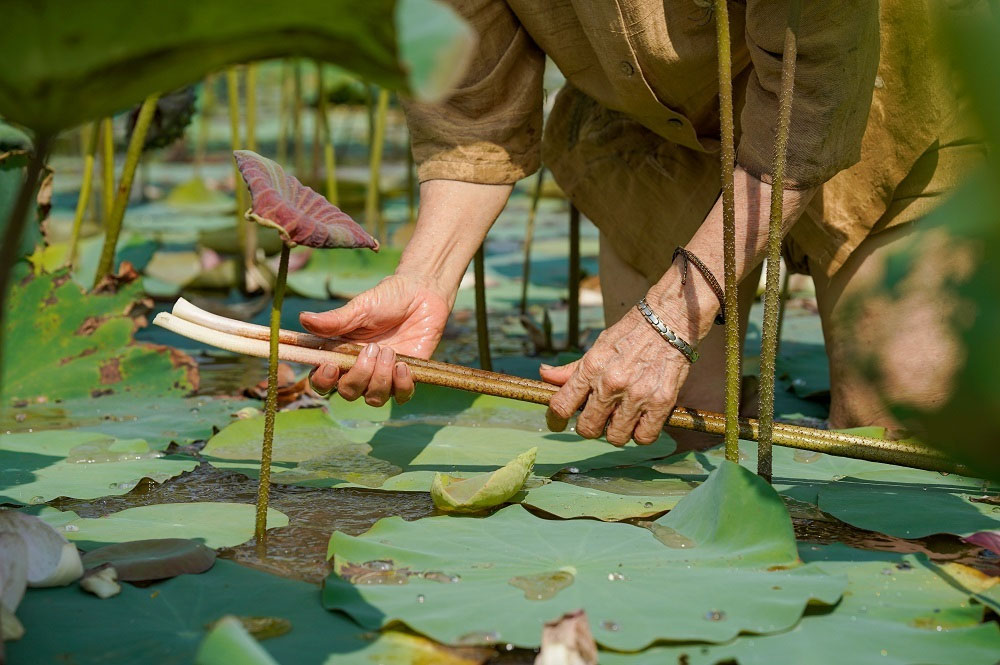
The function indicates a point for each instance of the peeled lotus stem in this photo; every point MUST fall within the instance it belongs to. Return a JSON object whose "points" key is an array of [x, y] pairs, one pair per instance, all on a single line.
{"points": [[250, 339]]}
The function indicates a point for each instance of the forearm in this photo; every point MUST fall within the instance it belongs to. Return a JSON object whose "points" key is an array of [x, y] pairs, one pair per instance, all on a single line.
{"points": [[690, 308], [452, 222]]}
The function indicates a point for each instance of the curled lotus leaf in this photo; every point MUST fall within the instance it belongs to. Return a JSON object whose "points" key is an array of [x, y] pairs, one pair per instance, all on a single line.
{"points": [[300, 215], [484, 490]]}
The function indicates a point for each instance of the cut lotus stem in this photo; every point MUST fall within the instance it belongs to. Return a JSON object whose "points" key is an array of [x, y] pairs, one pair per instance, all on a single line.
{"points": [[374, 222], [271, 403], [527, 390], [114, 224], [573, 326], [482, 320], [329, 154], [86, 187], [772, 288], [727, 155], [108, 165], [529, 236]]}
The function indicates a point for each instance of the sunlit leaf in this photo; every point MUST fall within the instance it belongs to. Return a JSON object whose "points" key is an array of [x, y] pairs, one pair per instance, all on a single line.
{"points": [[484, 490]]}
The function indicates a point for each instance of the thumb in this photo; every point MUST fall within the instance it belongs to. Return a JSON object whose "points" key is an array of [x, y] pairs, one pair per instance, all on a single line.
{"points": [[334, 323], [558, 375]]}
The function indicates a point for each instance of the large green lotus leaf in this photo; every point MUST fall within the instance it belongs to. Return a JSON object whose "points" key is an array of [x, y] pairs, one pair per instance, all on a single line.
{"points": [[483, 490], [13, 165], [157, 419], [568, 501], [69, 61], [40, 466], [345, 273], [62, 343], [165, 624], [311, 448], [897, 609], [211, 523], [703, 576], [878, 502]]}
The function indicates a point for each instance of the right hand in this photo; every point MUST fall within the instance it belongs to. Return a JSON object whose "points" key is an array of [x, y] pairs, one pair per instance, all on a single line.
{"points": [[402, 314]]}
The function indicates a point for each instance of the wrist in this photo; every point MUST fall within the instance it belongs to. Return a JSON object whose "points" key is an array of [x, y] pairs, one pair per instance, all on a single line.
{"points": [[688, 308]]}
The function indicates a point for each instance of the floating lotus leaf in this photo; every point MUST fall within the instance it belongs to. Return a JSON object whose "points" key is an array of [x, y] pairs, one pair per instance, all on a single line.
{"points": [[52, 561], [229, 642], [343, 274], [39, 466], [69, 61], [311, 448], [484, 490], [636, 587], [897, 609], [158, 559], [302, 216], [568, 501], [211, 523]]}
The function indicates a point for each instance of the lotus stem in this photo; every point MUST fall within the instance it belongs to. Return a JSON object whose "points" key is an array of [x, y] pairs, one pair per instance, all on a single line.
{"points": [[14, 228], [373, 212], [114, 224], [204, 115], [251, 106], [92, 133], [529, 236], [271, 403], [250, 253], [573, 327], [772, 288], [318, 351], [283, 113], [297, 106], [482, 322], [317, 137], [329, 154], [108, 164], [244, 258], [727, 151]]}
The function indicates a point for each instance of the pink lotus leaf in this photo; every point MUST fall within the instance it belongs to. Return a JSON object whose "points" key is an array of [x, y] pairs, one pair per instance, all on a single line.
{"points": [[300, 215], [988, 539]]}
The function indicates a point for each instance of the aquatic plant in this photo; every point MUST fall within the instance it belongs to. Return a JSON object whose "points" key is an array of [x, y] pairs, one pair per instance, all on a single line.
{"points": [[301, 217]]}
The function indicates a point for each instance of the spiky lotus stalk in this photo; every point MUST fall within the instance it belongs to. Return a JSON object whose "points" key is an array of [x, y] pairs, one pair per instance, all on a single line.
{"points": [[108, 166], [772, 289], [86, 186], [114, 223]]}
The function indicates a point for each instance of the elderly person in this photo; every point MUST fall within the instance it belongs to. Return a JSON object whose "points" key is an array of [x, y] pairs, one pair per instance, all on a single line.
{"points": [[633, 140]]}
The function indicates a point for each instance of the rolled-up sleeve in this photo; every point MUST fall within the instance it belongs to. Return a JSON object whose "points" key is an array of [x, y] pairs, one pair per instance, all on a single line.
{"points": [[838, 50], [489, 130]]}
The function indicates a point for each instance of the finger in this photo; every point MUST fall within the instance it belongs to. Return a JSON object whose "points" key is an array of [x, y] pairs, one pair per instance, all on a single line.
{"points": [[355, 381], [336, 322], [570, 397], [623, 422], [649, 428], [557, 375], [402, 383], [323, 379], [380, 385], [594, 417]]}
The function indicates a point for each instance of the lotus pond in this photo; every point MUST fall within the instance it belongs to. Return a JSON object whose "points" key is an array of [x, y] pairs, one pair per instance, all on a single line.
{"points": [[113, 431]]}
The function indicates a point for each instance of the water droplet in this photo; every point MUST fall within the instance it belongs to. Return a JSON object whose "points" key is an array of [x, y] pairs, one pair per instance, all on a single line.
{"points": [[806, 456], [71, 528], [715, 615], [479, 637], [670, 537], [35, 500], [508, 647], [938, 628], [379, 565], [443, 578], [572, 469], [421, 598], [613, 626], [542, 586], [616, 577], [944, 473], [648, 504]]}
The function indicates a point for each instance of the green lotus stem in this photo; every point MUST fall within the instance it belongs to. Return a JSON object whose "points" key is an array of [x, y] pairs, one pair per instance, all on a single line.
{"points": [[86, 186], [108, 164], [373, 213], [297, 106], [573, 327], [251, 106], [271, 403], [772, 290], [283, 113], [204, 115], [114, 224], [317, 137], [329, 155], [482, 324], [529, 236], [244, 258], [732, 327]]}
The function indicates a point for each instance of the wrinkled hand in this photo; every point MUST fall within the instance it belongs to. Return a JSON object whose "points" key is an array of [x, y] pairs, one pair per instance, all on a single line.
{"points": [[629, 380], [400, 315]]}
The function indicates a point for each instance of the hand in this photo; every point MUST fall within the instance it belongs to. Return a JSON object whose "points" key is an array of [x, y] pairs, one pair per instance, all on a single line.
{"points": [[628, 382], [402, 314]]}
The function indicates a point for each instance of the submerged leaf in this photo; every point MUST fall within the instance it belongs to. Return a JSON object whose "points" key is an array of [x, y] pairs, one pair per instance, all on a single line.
{"points": [[156, 559], [485, 490], [301, 215]]}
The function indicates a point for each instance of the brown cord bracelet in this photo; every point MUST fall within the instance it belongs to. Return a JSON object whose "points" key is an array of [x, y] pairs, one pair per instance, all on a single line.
{"points": [[690, 258]]}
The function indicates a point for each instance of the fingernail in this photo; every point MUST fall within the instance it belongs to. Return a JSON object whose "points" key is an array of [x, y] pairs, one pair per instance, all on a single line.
{"points": [[371, 350], [545, 366], [329, 371], [385, 356], [402, 370]]}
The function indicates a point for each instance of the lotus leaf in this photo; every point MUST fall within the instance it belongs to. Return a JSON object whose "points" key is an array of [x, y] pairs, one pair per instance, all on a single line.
{"points": [[161, 558], [310, 448], [13, 164], [634, 588], [568, 501], [484, 490], [229, 642], [213, 524], [39, 466], [69, 61]]}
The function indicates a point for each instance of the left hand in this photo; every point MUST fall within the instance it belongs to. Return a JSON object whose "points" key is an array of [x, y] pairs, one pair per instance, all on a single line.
{"points": [[629, 380]]}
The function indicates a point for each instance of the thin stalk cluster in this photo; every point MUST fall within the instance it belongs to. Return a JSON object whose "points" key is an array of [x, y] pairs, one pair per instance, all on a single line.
{"points": [[91, 135]]}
